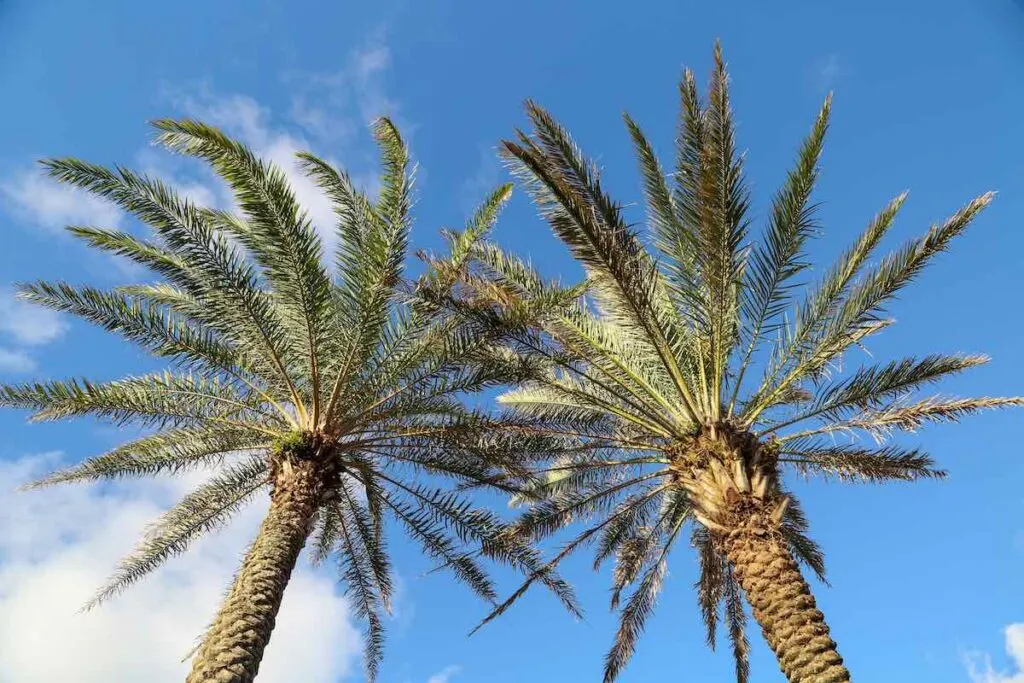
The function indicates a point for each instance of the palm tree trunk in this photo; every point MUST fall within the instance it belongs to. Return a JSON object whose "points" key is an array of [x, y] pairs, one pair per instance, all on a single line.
{"points": [[233, 646], [783, 605]]}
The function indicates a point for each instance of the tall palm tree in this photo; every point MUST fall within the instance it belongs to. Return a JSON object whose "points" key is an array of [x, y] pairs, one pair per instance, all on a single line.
{"points": [[691, 378], [337, 393]]}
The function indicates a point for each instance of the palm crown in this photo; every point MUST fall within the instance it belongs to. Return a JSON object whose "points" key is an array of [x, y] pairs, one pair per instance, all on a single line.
{"points": [[337, 392], [695, 374]]}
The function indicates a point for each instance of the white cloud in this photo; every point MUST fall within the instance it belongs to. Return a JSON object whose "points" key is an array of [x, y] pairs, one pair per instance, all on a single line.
{"points": [[41, 202], [326, 110], [445, 675], [50, 205], [188, 177], [245, 118], [12, 360], [356, 91], [979, 666], [56, 547], [27, 323]]}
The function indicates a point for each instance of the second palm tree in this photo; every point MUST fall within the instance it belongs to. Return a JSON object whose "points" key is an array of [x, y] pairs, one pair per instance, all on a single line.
{"points": [[647, 381]]}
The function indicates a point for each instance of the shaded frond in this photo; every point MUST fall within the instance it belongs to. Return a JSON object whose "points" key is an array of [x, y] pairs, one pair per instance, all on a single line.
{"points": [[641, 603], [855, 463], [207, 508]]}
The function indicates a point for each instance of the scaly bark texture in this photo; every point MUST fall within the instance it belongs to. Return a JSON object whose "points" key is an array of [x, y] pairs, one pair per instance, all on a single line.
{"points": [[234, 644], [782, 601], [732, 481]]}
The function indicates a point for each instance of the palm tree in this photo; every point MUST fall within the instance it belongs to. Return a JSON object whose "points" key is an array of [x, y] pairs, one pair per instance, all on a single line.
{"points": [[651, 380], [337, 393]]}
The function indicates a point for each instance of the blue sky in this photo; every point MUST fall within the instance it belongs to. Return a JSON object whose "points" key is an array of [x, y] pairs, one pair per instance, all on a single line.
{"points": [[925, 578]]}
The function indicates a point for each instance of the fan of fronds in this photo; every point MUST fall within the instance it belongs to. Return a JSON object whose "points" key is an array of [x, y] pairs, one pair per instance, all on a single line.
{"points": [[712, 328], [266, 344]]}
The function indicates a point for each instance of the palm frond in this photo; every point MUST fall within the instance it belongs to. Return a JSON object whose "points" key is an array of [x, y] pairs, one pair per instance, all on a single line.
{"points": [[365, 571], [794, 531], [421, 526], [856, 463], [207, 508], [793, 356], [779, 257], [909, 416], [155, 329], [721, 231], [640, 605], [154, 400], [170, 451], [351, 207], [278, 233], [569, 195], [876, 384]]}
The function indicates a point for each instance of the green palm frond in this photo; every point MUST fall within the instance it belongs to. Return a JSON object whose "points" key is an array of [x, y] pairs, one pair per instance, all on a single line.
{"points": [[205, 509], [216, 272], [640, 605], [876, 385], [794, 354], [623, 277], [366, 570], [353, 210], [151, 326], [908, 416], [169, 451], [856, 463], [155, 400], [776, 260], [278, 234]]}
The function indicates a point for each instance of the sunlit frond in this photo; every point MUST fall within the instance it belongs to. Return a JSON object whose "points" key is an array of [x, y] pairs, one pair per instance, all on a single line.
{"points": [[169, 451], [779, 257], [623, 277]]}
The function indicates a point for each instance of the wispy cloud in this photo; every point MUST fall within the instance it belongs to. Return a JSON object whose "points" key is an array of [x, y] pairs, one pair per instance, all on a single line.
{"points": [[39, 203], [47, 204], [828, 71], [327, 110], [23, 325], [16, 362], [979, 665], [486, 177], [444, 675], [56, 547], [356, 90]]}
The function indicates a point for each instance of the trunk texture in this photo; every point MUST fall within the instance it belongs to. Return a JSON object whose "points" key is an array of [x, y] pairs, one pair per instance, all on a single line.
{"points": [[233, 646], [783, 605]]}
